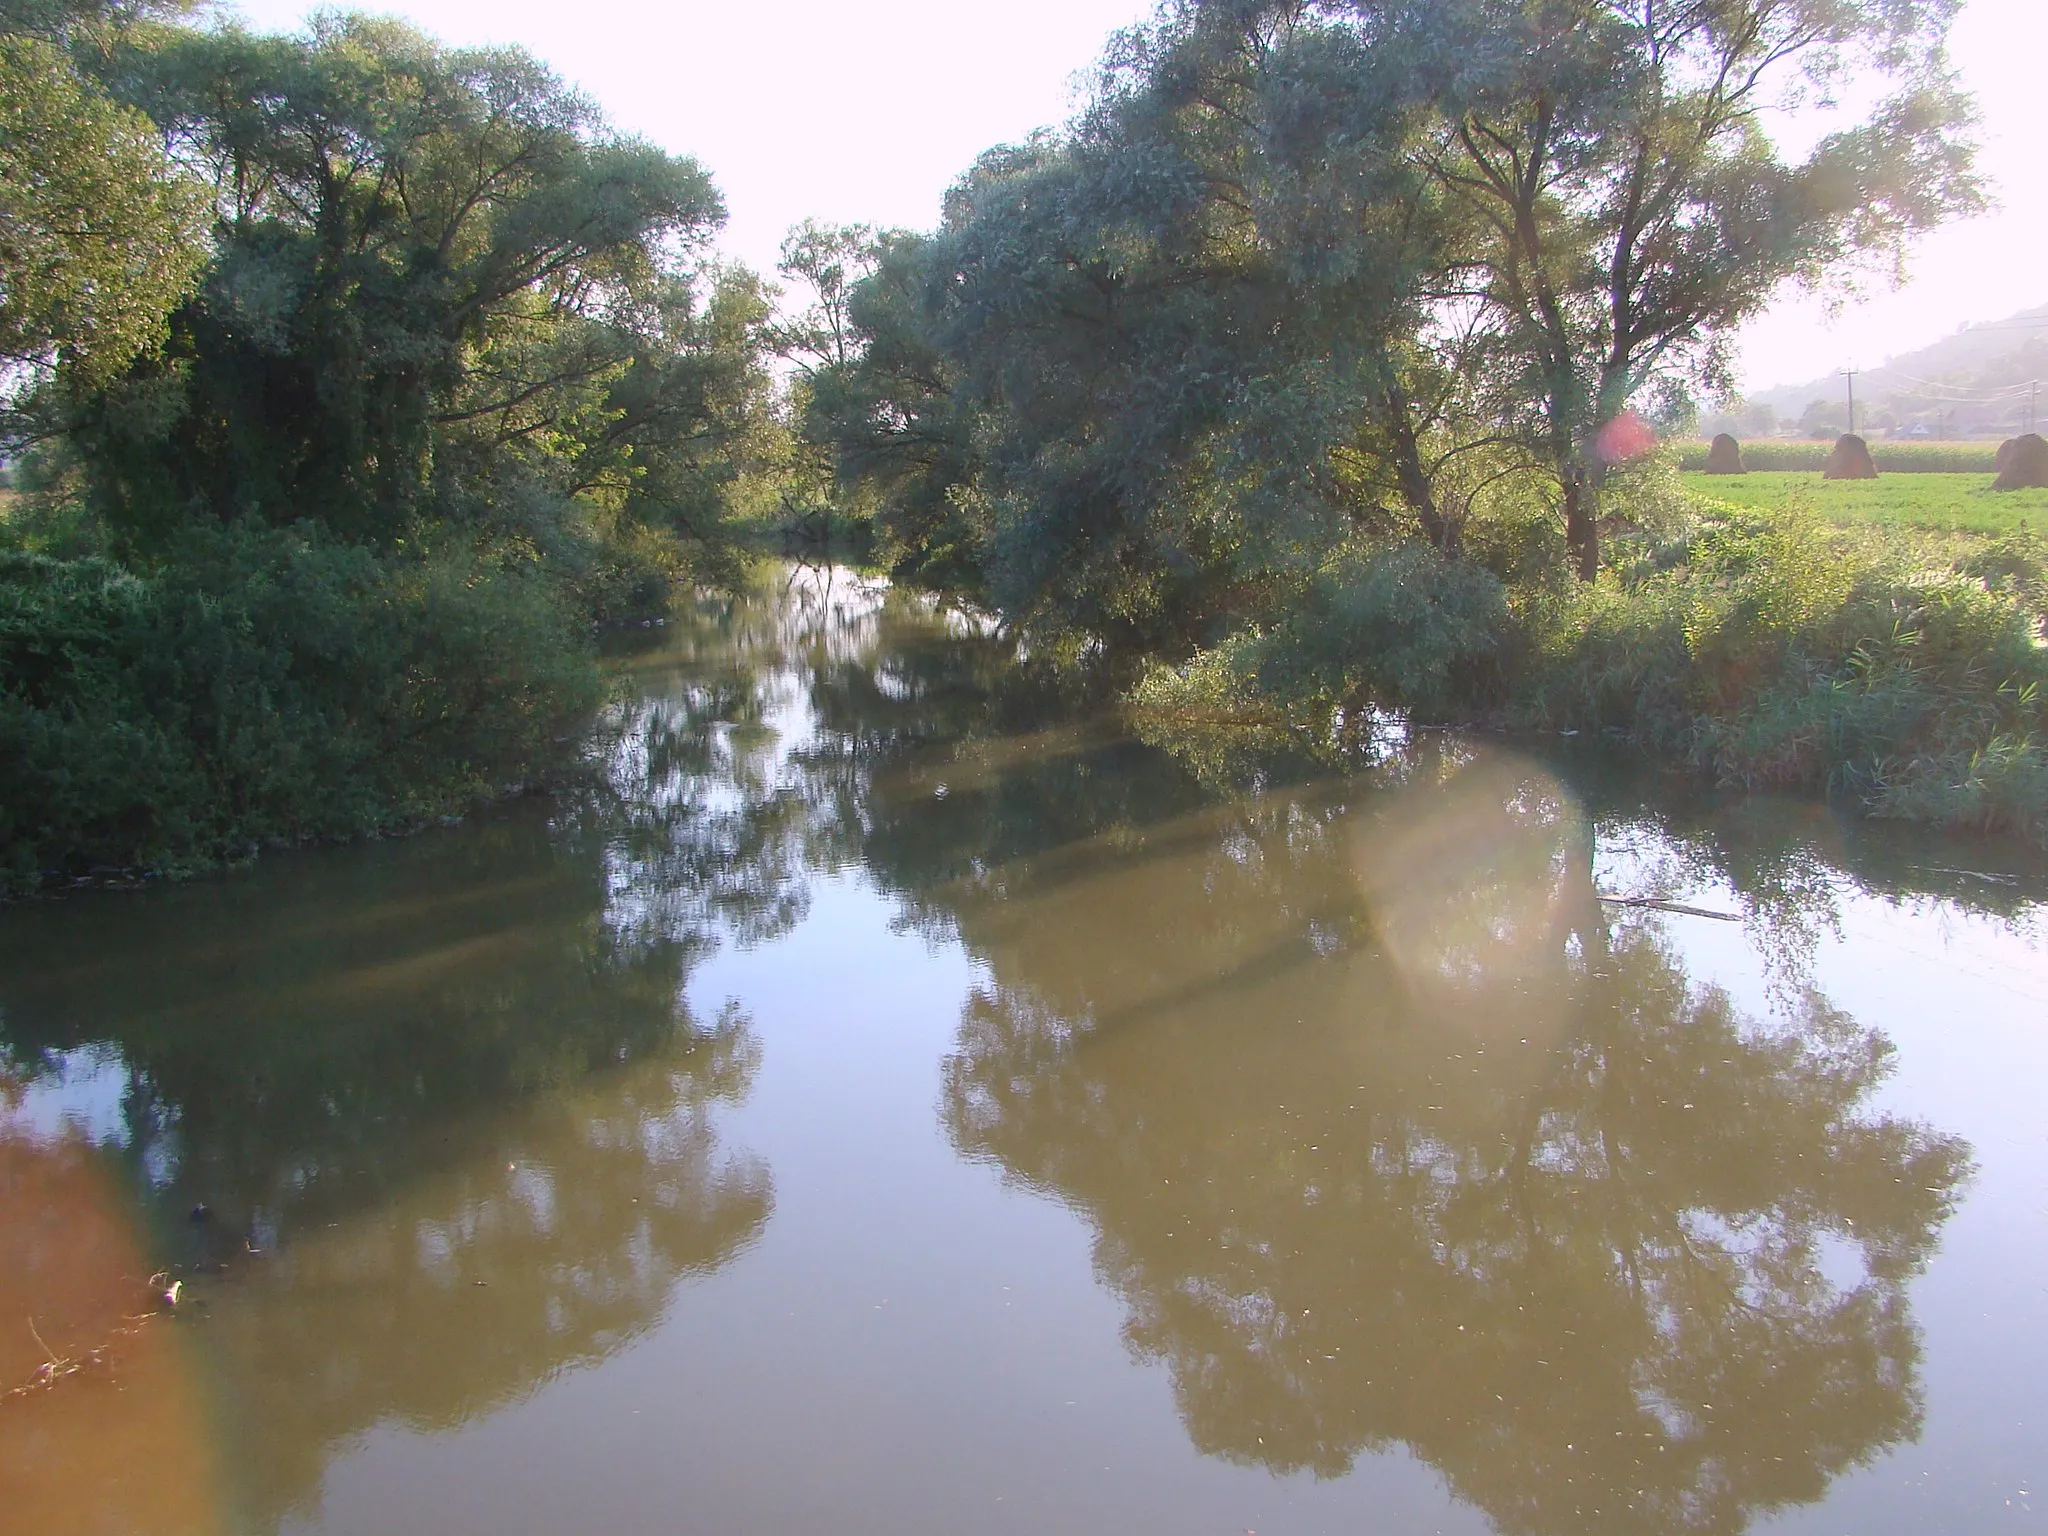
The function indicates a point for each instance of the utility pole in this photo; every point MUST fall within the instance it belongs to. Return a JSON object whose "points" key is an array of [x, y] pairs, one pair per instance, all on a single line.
{"points": [[1850, 375]]}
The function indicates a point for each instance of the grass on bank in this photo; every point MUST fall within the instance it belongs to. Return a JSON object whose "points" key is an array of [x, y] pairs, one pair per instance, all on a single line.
{"points": [[1905, 673], [1950, 503]]}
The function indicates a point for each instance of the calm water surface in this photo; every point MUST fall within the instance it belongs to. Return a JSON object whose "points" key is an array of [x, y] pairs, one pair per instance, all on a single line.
{"points": [[898, 1102]]}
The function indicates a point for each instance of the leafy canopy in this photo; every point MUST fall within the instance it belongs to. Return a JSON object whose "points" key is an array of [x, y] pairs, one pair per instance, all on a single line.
{"points": [[442, 287], [99, 238], [1304, 274]]}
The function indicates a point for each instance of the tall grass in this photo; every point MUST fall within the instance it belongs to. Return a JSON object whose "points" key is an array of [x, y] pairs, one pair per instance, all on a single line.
{"points": [[1785, 653]]}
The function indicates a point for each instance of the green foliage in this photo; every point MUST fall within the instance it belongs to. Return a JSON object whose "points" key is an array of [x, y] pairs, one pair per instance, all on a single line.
{"points": [[456, 383], [1783, 654], [1892, 458], [442, 290], [1621, 208], [1761, 652], [1300, 275], [2017, 564], [99, 238], [1397, 627], [269, 686], [899, 435]]}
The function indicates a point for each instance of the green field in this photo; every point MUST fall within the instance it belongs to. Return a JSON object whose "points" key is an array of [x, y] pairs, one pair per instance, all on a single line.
{"points": [[1951, 503]]}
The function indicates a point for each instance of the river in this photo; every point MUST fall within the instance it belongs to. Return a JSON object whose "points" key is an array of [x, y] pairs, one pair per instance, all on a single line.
{"points": [[893, 1099]]}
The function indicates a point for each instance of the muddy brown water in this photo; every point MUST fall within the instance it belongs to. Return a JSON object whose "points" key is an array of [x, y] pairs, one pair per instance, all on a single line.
{"points": [[895, 1100]]}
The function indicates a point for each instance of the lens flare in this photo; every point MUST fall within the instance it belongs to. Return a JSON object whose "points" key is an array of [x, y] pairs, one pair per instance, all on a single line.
{"points": [[101, 1426], [1476, 879], [1624, 439]]}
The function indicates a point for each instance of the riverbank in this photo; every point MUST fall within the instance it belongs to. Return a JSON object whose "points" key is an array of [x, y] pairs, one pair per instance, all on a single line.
{"points": [[1902, 675], [271, 687]]}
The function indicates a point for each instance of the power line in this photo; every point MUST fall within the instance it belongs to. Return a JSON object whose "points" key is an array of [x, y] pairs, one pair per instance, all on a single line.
{"points": [[1960, 395]]}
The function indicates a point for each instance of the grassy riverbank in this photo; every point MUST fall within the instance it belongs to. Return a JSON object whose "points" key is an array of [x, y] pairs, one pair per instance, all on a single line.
{"points": [[1904, 674]]}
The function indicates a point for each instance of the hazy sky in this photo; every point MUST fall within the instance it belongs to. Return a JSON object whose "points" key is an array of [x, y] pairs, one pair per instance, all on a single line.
{"points": [[865, 112]]}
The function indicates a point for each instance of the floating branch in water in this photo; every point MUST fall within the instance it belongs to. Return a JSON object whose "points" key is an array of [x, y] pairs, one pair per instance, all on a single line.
{"points": [[1658, 904]]}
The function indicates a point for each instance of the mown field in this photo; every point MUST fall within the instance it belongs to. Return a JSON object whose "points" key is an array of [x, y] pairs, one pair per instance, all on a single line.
{"points": [[1950, 503]]}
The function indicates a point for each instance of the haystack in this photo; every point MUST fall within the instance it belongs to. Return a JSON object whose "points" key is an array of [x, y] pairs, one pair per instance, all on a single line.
{"points": [[1724, 457], [2005, 453], [1851, 460], [2026, 467]]}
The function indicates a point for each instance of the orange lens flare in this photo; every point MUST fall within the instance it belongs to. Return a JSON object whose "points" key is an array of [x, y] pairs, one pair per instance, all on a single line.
{"points": [[101, 1428]]}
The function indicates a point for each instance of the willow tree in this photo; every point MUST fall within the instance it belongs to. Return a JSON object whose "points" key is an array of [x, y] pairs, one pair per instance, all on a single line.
{"points": [[442, 287], [100, 237], [1625, 203], [1154, 329], [1305, 272]]}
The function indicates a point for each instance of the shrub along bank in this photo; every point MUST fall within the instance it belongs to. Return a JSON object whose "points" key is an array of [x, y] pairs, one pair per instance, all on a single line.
{"points": [[1762, 651], [270, 686]]}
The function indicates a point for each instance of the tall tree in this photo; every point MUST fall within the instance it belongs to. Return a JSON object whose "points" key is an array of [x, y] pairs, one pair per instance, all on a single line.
{"points": [[1628, 208], [1162, 323], [99, 236], [826, 261], [442, 287], [1306, 271], [898, 428]]}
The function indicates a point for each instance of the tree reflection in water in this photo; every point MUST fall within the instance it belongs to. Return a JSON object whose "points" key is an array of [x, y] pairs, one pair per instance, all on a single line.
{"points": [[1390, 1132], [1391, 1136], [450, 1087]]}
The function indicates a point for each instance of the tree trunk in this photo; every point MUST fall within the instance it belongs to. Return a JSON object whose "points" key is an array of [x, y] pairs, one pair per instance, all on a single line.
{"points": [[1444, 533], [1582, 526]]}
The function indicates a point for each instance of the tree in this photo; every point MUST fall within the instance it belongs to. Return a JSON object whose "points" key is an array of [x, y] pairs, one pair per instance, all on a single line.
{"points": [[1302, 273], [442, 289], [100, 238], [1628, 209], [1162, 325], [898, 428], [829, 261]]}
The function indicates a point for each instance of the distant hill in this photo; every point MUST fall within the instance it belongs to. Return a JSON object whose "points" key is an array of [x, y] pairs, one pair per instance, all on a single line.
{"points": [[1971, 383]]}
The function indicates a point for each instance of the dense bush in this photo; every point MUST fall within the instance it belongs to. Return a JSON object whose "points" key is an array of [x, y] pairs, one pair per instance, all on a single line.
{"points": [[1758, 651], [269, 686], [1783, 653], [1395, 627], [1765, 455]]}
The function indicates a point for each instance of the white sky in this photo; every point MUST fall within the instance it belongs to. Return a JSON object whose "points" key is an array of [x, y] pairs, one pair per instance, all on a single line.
{"points": [[867, 111]]}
